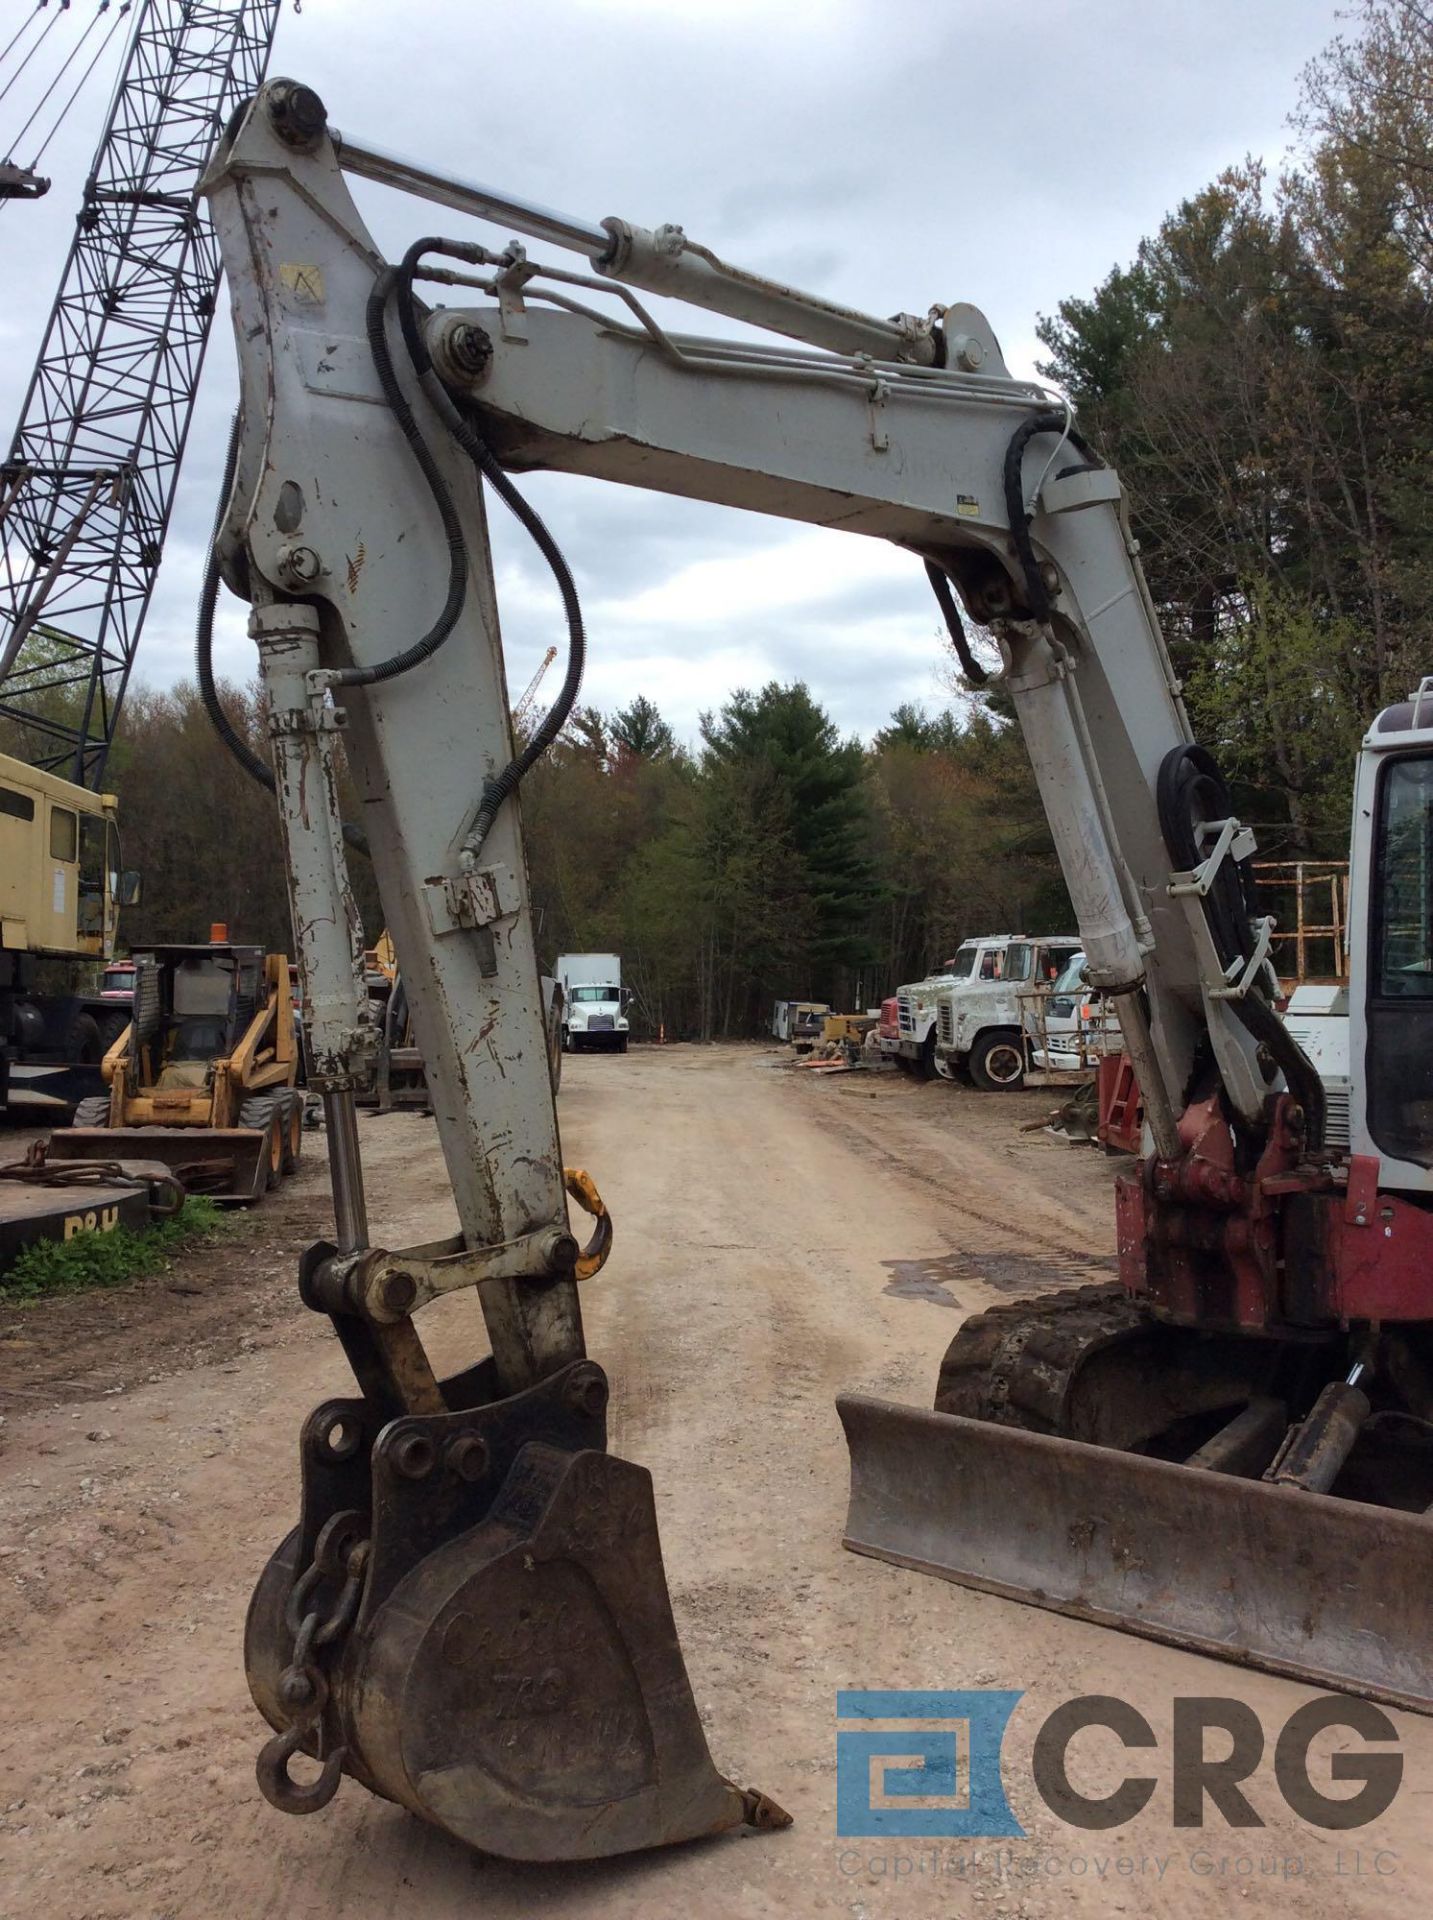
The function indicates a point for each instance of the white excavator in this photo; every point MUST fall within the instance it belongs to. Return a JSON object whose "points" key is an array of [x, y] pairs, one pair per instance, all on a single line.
{"points": [[1230, 1448]]}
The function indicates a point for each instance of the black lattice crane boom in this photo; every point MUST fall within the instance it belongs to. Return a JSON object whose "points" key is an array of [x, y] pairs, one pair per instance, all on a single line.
{"points": [[86, 493]]}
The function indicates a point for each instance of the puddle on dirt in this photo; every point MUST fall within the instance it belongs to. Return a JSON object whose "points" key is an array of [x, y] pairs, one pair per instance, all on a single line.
{"points": [[1006, 1272], [920, 1280]]}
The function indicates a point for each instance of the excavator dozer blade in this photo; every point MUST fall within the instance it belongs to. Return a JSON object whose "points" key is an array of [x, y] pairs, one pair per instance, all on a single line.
{"points": [[228, 1164], [1324, 1590]]}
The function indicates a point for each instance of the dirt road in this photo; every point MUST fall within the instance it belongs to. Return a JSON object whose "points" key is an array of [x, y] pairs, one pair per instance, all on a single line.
{"points": [[778, 1238]]}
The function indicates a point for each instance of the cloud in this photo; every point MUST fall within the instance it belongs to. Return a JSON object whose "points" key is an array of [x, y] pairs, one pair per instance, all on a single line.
{"points": [[887, 153]]}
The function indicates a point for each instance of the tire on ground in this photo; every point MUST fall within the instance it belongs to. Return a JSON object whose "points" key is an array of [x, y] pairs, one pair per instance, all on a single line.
{"points": [[997, 1061], [93, 1112], [263, 1112], [111, 1026], [291, 1122], [81, 1039]]}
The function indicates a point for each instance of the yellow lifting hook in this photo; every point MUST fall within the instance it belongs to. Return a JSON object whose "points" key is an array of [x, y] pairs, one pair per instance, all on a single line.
{"points": [[583, 1189]]}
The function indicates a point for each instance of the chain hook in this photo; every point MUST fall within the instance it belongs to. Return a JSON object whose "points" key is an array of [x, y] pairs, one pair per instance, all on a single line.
{"points": [[290, 1796]]}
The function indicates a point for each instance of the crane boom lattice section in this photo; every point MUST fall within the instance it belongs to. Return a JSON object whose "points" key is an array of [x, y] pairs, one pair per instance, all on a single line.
{"points": [[87, 489]]}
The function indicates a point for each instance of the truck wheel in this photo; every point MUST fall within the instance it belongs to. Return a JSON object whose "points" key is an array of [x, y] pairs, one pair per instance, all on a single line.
{"points": [[997, 1061], [111, 1026], [622, 1044], [93, 1112], [81, 1040], [926, 1068]]}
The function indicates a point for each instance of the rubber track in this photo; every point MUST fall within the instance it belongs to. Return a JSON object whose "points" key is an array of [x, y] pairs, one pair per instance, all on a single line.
{"points": [[1016, 1363]]}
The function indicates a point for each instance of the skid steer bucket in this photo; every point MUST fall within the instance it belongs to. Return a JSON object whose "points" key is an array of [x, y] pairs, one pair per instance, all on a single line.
{"points": [[1325, 1590], [229, 1164]]}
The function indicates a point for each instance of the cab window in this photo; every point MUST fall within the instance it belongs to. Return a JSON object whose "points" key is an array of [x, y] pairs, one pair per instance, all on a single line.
{"points": [[202, 986], [1400, 988], [93, 847], [963, 965], [19, 806], [64, 834], [1071, 979]]}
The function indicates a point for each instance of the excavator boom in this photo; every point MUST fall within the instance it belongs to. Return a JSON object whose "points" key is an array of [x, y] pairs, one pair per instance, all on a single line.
{"points": [[471, 1617]]}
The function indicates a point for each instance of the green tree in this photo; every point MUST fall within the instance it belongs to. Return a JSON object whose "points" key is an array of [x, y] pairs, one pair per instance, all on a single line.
{"points": [[807, 782], [640, 731]]}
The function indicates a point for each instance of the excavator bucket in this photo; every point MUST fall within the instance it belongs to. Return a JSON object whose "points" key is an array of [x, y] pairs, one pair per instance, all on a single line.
{"points": [[1321, 1589], [472, 1620], [229, 1164]]}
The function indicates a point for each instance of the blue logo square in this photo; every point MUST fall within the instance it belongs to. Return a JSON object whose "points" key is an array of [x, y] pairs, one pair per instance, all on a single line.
{"points": [[922, 1762]]}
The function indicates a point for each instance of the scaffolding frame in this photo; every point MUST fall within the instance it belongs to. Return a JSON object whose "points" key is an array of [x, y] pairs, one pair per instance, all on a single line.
{"points": [[1318, 888]]}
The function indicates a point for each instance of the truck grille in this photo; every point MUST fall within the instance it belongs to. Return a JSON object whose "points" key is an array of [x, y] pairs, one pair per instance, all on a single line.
{"points": [[906, 1015], [946, 1020], [600, 1023]]}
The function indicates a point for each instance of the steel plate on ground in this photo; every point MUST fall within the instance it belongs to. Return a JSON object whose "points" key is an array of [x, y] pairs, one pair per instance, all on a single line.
{"points": [[1324, 1590]]}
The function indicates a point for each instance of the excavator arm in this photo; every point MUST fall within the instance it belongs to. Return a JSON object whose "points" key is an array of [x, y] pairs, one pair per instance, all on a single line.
{"points": [[471, 1617]]}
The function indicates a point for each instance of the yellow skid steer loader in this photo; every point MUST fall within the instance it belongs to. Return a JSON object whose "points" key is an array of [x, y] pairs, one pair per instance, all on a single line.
{"points": [[204, 1077]]}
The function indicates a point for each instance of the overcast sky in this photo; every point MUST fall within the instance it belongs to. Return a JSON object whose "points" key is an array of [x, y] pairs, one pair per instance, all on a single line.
{"points": [[887, 153]]}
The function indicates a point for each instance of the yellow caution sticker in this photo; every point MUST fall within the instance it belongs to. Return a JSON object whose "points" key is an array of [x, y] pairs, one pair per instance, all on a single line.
{"points": [[304, 281]]}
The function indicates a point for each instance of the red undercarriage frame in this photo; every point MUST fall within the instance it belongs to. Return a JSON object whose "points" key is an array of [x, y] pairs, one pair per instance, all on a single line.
{"points": [[1287, 1245]]}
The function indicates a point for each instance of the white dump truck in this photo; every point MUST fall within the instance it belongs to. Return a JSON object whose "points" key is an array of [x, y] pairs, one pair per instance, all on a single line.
{"points": [[594, 1011], [978, 1013], [913, 1042]]}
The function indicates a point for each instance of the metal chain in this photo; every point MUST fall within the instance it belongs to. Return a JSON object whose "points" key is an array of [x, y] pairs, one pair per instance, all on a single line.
{"points": [[340, 1552]]}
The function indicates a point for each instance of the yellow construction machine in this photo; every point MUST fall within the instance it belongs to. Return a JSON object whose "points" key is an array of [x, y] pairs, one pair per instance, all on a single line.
{"points": [[206, 1071]]}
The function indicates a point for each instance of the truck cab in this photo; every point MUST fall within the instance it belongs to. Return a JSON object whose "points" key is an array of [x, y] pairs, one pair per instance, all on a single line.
{"points": [[915, 1036], [977, 1013], [594, 1009]]}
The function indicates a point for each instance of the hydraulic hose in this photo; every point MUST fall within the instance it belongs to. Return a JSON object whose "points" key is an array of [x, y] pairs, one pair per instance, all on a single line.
{"points": [[375, 322], [204, 633], [1047, 420], [954, 625], [497, 789]]}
